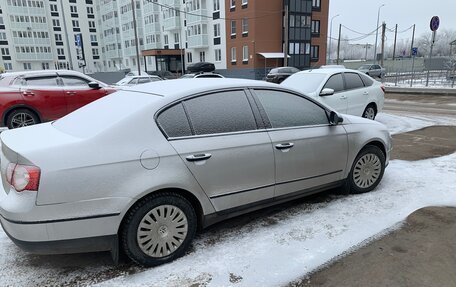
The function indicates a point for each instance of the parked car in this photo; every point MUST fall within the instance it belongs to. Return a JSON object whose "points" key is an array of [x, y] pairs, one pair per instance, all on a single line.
{"points": [[144, 168], [28, 98], [166, 75], [201, 67], [372, 70], [136, 80], [347, 91], [278, 75], [201, 75]]}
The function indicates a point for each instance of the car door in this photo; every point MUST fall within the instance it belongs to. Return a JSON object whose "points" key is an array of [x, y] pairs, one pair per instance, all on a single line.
{"points": [[338, 100], [357, 95], [78, 93], [228, 153], [45, 95], [309, 153]]}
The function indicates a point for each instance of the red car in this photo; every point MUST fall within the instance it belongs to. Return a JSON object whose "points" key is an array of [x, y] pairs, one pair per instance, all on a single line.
{"points": [[28, 98]]}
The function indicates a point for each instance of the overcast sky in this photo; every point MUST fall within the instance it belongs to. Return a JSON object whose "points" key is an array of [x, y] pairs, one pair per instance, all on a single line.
{"points": [[361, 15]]}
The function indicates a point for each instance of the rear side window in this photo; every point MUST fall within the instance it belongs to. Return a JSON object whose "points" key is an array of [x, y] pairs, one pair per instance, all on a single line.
{"points": [[336, 82], [174, 122], [289, 110], [42, 81], [222, 112], [367, 80], [353, 81]]}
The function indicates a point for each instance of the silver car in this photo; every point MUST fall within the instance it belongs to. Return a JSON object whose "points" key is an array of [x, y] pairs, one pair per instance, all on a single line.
{"points": [[144, 168]]}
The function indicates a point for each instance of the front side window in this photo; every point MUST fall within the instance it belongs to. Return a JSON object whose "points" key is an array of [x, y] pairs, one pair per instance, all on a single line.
{"points": [[222, 112], [289, 110], [336, 82], [74, 81], [42, 81]]}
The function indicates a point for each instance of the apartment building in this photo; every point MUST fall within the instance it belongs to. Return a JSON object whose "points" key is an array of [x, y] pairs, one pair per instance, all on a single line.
{"points": [[169, 31], [49, 34], [259, 32]]}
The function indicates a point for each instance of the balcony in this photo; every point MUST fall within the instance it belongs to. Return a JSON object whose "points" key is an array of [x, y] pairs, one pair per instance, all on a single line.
{"points": [[113, 54], [198, 16], [34, 57], [172, 23], [198, 41]]}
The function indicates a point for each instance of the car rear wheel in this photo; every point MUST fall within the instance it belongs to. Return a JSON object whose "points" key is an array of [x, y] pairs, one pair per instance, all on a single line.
{"points": [[367, 170], [21, 118], [158, 229], [370, 112]]}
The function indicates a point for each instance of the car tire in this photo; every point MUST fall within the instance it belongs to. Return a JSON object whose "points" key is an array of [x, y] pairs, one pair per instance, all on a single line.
{"points": [[367, 170], [158, 229], [370, 112], [20, 118]]}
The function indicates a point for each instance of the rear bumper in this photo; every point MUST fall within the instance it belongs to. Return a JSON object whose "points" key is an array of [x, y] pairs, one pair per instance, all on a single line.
{"points": [[89, 244]]}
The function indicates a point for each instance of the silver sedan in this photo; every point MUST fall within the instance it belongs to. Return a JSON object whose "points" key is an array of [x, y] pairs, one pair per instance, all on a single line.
{"points": [[144, 168]]}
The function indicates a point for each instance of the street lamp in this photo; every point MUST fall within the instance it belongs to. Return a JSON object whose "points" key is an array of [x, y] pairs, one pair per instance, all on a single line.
{"points": [[330, 38], [376, 34]]}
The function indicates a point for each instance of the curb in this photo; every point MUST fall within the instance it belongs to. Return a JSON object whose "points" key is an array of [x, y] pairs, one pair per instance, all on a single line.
{"points": [[422, 91]]}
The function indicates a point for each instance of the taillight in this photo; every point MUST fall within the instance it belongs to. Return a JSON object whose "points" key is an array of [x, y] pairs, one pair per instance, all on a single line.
{"points": [[383, 88], [23, 177]]}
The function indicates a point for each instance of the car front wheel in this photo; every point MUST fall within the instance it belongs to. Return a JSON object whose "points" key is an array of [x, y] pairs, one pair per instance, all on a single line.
{"points": [[158, 229], [367, 170]]}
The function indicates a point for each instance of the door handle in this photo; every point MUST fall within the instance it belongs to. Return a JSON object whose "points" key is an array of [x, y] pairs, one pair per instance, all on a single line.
{"points": [[28, 94], [343, 97], [198, 157], [366, 93], [284, 146], [71, 93]]}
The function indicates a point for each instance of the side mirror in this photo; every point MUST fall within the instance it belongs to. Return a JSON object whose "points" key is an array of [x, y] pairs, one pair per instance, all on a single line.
{"points": [[335, 119], [94, 85], [327, 92]]}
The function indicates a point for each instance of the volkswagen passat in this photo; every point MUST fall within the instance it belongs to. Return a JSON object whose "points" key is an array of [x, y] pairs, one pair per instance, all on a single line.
{"points": [[144, 168]]}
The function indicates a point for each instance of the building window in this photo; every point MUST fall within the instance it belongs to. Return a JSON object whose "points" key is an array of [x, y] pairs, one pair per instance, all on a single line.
{"points": [[91, 24], [176, 38], [95, 52], [8, 66], [5, 51], [232, 3], [56, 22], [245, 26], [166, 39], [233, 54], [89, 10], [245, 53], [53, 7], [216, 5], [216, 30], [233, 27], [45, 66], [27, 66], [245, 2], [316, 4], [93, 38], [76, 23], [73, 9], [218, 55], [314, 53], [189, 57], [202, 56], [316, 27]]}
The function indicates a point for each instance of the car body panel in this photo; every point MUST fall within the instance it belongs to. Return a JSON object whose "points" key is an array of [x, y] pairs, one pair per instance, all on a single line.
{"points": [[95, 168]]}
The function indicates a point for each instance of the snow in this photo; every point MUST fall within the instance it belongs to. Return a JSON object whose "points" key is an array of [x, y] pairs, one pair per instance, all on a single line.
{"points": [[276, 247]]}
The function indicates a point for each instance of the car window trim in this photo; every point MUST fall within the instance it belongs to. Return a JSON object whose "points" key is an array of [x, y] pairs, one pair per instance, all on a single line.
{"points": [[268, 121], [182, 100], [217, 135]]}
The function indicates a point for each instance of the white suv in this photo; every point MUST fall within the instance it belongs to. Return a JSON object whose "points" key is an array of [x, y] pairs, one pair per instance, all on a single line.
{"points": [[347, 91]]}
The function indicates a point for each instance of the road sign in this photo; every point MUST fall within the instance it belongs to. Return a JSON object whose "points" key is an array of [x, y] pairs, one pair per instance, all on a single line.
{"points": [[435, 23], [414, 51]]}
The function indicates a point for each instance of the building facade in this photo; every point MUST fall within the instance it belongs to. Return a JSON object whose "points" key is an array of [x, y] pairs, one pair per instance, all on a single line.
{"points": [[49, 34], [243, 38]]}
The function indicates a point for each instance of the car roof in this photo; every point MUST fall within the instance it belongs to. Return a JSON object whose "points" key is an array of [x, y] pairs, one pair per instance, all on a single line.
{"points": [[327, 71], [183, 87]]}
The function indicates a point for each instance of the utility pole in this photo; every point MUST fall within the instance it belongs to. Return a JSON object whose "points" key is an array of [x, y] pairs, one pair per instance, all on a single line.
{"points": [[285, 52], [395, 42], [338, 44], [133, 7], [376, 34], [430, 57], [330, 38], [383, 43]]}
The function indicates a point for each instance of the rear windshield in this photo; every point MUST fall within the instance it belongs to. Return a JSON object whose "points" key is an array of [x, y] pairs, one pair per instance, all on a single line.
{"points": [[104, 113], [304, 82]]}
